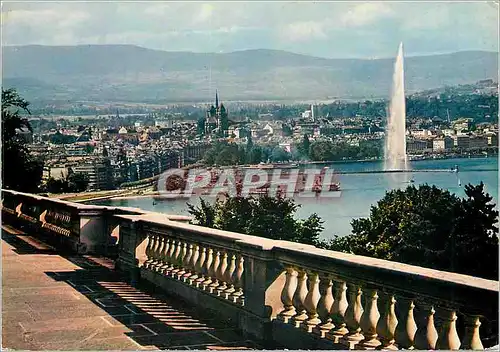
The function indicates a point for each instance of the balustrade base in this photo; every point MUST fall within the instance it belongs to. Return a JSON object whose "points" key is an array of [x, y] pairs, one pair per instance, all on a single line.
{"points": [[352, 340], [322, 330], [368, 345], [297, 321], [286, 318], [336, 337], [389, 348], [294, 338], [255, 327]]}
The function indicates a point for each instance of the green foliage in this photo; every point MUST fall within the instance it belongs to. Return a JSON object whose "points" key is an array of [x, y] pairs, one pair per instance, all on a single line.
{"points": [[200, 126], [77, 182], [255, 155], [304, 147], [287, 130], [59, 138], [263, 216], [279, 154], [482, 108], [227, 154], [429, 227], [20, 171], [73, 183], [224, 121], [329, 151], [204, 215]]}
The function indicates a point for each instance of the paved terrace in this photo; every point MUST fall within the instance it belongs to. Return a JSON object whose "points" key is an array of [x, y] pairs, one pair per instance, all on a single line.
{"points": [[62, 301]]}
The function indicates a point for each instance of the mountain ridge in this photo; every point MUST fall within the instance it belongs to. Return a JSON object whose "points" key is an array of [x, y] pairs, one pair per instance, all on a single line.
{"points": [[134, 73]]}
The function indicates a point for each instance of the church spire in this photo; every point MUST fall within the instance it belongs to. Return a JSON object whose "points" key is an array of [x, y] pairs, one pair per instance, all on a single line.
{"points": [[216, 99]]}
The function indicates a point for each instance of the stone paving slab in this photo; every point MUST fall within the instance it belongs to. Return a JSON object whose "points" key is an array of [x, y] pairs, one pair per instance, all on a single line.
{"points": [[57, 301]]}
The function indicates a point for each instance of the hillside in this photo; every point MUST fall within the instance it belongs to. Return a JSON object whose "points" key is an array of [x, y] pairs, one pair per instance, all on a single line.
{"points": [[135, 74]]}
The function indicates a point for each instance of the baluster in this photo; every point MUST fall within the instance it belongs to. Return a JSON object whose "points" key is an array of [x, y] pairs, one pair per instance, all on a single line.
{"points": [[405, 332], [311, 303], [156, 253], [194, 264], [325, 306], [287, 294], [353, 316], [180, 253], [200, 267], [299, 298], [221, 273], [369, 321], [159, 259], [237, 296], [182, 260], [149, 250], [213, 275], [156, 242], [171, 257], [165, 255], [448, 339], [472, 339], [209, 268], [386, 326], [229, 277], [186, 258], [339, 309], [427, 335]]}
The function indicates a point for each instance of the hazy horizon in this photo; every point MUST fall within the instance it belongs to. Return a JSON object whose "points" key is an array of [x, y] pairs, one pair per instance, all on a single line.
{"points": [[257, 49], [322, 29]]}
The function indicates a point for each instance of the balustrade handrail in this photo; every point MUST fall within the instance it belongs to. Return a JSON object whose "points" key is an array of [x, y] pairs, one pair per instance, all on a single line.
{"points": [[314, 258], [89, 207]]}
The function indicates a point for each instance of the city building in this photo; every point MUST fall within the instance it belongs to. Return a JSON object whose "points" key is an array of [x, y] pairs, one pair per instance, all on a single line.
{"points": [[477, 142], [442, 144], [216, 120], [98, 172], [417, 146]]}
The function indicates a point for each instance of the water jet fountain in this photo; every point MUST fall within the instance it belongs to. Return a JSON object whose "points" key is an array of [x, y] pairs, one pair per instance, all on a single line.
{"points": [[395, 137]]}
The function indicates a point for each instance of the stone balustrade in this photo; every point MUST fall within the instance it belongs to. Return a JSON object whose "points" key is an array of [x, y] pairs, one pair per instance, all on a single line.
{"points": [[282, 293], [84, 228], [313, 298]]}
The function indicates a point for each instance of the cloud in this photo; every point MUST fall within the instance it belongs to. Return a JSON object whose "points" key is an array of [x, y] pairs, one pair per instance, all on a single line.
{"points": [[330, 29], [300, 31], [366, 13], [204, 14], [44, 18]]}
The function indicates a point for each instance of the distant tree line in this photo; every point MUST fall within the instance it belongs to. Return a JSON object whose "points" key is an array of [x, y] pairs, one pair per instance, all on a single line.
{"points": [[227, 154], [482, 108], [71, 183], [325, 150]]}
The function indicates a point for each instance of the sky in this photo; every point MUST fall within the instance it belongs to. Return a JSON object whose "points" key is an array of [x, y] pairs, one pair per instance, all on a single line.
{"points": [[325, 29]]}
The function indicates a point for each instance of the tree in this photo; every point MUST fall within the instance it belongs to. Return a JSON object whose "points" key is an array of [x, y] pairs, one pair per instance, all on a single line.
{"points": [[474, 241], [72, 182], [224, 121], [429, 227], [200, 127], [77, 182], [20, 171], [264, 216], [279, 154], [305, 146]]}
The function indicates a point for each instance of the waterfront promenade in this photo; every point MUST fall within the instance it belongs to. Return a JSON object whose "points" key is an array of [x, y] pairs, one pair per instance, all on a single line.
{"points": [[53, 300]]}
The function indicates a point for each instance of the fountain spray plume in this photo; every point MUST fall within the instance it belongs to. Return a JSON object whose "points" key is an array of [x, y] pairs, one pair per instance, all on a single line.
{"points": [[395, 138]]}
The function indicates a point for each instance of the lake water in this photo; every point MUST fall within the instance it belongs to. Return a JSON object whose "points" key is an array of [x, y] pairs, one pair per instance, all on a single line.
{"points": [[360, 191]]}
